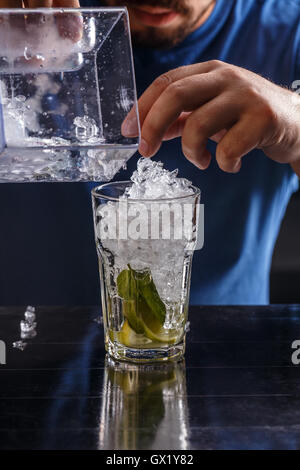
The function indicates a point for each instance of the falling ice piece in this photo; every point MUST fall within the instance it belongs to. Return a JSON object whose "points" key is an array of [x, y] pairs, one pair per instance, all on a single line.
{"points": [[21, 345], [187, 326], [29, 317], [98, 320]]}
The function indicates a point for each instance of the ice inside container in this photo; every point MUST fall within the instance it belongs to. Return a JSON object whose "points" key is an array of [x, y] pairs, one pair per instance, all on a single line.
{"points": [[66, 85]]}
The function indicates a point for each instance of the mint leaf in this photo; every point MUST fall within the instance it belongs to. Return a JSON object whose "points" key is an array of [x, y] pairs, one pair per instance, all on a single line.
{"points": [[127, 286], [139, 294], [127, 289]]}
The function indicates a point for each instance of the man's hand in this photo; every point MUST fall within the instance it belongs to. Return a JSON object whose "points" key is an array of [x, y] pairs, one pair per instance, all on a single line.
{"points": [[69, 24], [236, 108], [39, 3]]}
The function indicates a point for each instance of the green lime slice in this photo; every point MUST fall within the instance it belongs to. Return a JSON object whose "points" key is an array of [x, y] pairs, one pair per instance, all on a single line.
{"points": [[128, 337], [137, 332], [144, 311], [156, 332], [130, 308]]}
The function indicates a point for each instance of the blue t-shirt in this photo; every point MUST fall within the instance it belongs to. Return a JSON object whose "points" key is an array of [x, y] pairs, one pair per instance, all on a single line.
{"points": [[47, 246]]}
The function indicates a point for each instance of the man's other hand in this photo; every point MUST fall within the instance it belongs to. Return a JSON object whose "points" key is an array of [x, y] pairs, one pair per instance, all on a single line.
{"points": [[39, 3], [234, 107], [68, 24]]}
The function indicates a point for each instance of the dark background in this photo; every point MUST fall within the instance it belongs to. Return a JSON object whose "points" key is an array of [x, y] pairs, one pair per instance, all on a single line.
{"points": [[285, 274]]}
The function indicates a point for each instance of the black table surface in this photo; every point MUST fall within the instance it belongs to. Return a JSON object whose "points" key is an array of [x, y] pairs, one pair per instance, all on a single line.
{"points": [[236, 389]]}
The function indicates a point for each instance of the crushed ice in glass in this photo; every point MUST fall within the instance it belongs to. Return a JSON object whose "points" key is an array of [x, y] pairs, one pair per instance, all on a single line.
{"points": [[167, 259], [152, 181]]}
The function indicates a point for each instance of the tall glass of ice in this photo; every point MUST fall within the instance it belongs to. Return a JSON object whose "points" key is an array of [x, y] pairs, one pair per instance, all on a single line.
{"points": [[146, 233]]}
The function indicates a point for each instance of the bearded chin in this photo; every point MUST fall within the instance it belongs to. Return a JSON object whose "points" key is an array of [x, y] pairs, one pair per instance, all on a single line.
{"points": [[153, 38]]}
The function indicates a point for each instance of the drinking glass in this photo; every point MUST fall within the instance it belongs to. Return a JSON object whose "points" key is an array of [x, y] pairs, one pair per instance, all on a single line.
{"points": [[145, 250]]}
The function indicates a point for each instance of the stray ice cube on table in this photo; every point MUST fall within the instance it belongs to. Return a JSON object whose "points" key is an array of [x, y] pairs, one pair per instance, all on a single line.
{"points": [[27, 327], [19, 345], [28, 330], [30, 315]]}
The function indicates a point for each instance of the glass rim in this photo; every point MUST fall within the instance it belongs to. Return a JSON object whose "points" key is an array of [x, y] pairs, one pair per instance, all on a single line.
{"points": [[96, 195]]}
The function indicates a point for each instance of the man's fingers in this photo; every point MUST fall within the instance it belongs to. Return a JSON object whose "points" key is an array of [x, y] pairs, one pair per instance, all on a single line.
{"points": [[70, 26], [203, 123], [176, 129], [10, 3], [183, 96], [148, 98], [48, 3], [219, 135], [154, 91], [66, 3], [16, 21], [39, 3], [243, 137]]}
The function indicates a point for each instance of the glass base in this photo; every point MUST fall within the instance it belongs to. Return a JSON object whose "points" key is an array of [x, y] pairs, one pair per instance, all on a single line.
{"points": [[122, 353]]}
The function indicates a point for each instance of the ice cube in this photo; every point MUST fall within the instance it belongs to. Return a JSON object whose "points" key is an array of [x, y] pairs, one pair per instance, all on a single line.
{"points": [[19, 345], [152, 181], [30, 309], [86, 129], [29, 317], [27, 329]]}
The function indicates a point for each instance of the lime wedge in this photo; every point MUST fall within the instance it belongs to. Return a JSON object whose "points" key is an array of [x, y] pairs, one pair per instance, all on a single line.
{"points": [[156, 332], [130, 312], [130, 338], [144, 311], [140, 332]]}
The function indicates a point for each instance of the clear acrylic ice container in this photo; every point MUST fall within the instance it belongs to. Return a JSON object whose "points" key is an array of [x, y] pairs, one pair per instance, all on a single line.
{"points": [[66, 85]]}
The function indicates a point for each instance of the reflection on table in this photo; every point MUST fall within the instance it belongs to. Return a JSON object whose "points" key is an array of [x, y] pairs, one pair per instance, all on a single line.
{"points": [[144, 407]]}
